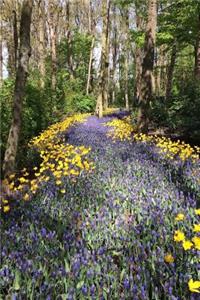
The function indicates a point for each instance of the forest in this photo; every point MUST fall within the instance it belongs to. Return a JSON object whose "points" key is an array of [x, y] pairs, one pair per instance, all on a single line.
{"points": [[100, 149]]}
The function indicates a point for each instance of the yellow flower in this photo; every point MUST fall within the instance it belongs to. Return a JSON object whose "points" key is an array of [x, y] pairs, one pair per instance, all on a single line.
{"points": [[196, 228], [197, 211], [5, 201], [187, 245], [194, 286], [180, 217], [169, 258], [22, 180], [63, 191], [26, 197], [58, 182], [12, 176], [179, 236], [6, 208], [196, 241]]}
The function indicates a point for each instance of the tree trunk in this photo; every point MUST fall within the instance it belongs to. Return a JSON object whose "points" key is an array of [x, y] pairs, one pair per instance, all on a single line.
{"points": [[15, 38], [138, 60], [90, 67], [69, 41], [147, 68], [21, 76], [197, 54], [106, 72], [157, 73], [53, 38], [103, 77], [1, 55], [170, 72], [114, 55], [41, 48], [11, 53], [91, 31], [126, 23]]}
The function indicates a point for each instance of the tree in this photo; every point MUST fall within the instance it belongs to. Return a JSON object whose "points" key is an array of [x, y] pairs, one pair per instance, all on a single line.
{"points": [[147, 67], [19, 92], [1, 54], [91, 26], [41, 48], [104, 63], [53, 40], [171, 71], [197, 51]]}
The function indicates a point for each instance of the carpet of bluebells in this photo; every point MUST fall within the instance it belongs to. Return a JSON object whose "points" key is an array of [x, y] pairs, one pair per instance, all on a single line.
{"points": [[124, 224]]}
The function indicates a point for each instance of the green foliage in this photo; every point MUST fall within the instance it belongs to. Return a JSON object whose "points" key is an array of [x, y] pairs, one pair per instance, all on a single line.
{"points": [[137, 37], [84, 103], [79, 48], [181, 113], [184, 111], [6, 98]]}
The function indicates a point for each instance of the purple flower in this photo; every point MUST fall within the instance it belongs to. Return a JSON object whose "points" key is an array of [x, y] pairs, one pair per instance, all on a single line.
{"points": [[43, 232], [126, 284]]}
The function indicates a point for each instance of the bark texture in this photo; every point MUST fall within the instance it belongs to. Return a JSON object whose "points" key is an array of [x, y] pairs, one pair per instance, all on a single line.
{"points": [[41, 48], [53, 40], [1, 54], [147, 68], [104, 64], [20, 81], [138, 60], [170, 72], [197, 53]]}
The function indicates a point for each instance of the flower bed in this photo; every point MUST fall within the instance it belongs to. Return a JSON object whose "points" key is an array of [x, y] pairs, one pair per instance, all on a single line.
{"points": [[127, 230]]}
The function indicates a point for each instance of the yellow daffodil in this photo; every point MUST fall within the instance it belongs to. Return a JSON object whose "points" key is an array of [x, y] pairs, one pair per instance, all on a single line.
{"points": [[6, 208], [197, 211], [187, 245], [194, 286], [58, 182], [179, 236], [26, 197], [169, 258], [180, 217], [196, 228], [196, 241]]}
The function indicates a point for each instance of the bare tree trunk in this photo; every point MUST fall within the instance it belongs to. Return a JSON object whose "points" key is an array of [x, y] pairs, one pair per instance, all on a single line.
{"points": [[126, 83], [41, 48], [91, 31], [126, 21], [138, 60], [147, 68], [170, 72], [15, 38], [90, 67], [11, 53], [104, 60], [69, 41], [53, 39], [1, 55], [114, 55], [106, 73], [21, 76], [157, 73], [197, 54]]}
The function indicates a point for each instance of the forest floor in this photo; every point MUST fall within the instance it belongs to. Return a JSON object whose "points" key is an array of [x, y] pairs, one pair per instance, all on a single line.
{"points": [[111, 235]]}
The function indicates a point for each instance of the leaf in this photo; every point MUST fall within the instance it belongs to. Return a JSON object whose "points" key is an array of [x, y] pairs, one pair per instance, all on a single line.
{"points": [[67, 267], [80, 284], [16, 284], [122, 274]]}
